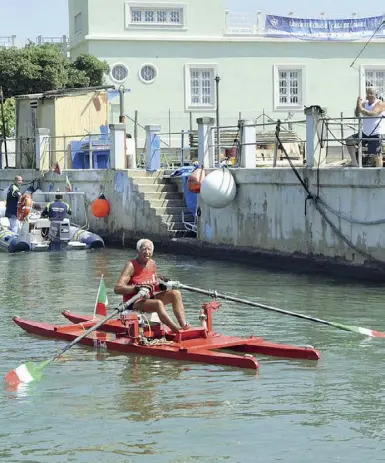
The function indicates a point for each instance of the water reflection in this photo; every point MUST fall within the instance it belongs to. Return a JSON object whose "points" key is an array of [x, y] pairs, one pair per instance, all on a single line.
{"points": [[151, 392]]}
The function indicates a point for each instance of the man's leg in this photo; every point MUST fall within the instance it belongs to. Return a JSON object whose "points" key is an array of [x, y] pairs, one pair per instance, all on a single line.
{"points": [[14, 224], [351, 147], [154, 305], [174, 297]]}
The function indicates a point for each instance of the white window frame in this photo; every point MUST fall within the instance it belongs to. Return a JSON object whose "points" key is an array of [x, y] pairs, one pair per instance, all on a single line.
{"points": [[119, 64], [140, 73], [187, 77], [363, 69], [78, 23], [155, 6], [302, 96]]}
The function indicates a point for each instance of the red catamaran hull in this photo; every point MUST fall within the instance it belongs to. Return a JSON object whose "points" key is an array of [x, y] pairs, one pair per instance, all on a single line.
{"points": [[193, 337]]}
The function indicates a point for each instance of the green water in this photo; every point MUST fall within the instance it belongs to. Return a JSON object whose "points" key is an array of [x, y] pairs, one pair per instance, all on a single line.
{"points": [[118, 408]]}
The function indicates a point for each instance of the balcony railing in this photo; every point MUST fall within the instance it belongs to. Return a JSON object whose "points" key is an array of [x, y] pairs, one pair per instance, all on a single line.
{"points": [[8, 41]]}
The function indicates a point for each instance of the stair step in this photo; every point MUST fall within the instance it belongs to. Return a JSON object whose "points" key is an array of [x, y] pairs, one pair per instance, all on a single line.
{"points": [[141, 173], [161, 188], [176, 225], [169, 210], [157, 196], [166, 203], [151, 180], [167, 218]]}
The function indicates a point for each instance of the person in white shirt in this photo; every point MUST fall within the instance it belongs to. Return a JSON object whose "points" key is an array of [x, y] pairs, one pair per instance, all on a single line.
{"points": [[373, 125]]}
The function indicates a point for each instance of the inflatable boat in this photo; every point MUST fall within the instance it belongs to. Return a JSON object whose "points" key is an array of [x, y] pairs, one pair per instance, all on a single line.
{"points": [[41, 234]]}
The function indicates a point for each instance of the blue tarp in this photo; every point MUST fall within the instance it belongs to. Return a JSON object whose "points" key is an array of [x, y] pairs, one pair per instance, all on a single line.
{"points": [[191, 199]]}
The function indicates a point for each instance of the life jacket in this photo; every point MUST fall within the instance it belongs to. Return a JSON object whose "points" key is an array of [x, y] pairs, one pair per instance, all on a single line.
{"points": [[57, 210], [143, 275], [24, 207], [13, 195]]}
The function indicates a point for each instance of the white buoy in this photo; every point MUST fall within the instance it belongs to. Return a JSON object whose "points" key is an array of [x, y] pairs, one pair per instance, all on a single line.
{"points": [[218, 189]]}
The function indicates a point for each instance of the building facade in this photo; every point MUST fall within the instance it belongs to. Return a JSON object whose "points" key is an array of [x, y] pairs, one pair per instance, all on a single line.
{"points": [[167, 54]]}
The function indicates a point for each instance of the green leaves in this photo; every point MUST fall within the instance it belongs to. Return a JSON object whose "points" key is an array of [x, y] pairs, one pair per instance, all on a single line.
{"points": [[40, 68]]}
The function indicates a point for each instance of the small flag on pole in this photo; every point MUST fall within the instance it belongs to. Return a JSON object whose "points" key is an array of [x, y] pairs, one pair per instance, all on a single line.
{"points": [[68, 185], [57, 169], [101, 299]]}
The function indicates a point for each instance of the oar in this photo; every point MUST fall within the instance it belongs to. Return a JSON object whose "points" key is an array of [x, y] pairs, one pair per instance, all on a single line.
{"points": [[355, 329], [28, 372]]}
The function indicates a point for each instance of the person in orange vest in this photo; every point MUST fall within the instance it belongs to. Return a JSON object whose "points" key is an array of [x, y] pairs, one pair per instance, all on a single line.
{"points": [[141, 272]]}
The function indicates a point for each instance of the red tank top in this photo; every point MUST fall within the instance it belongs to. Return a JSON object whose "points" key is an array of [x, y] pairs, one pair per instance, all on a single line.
{"points": [[142, 275]]}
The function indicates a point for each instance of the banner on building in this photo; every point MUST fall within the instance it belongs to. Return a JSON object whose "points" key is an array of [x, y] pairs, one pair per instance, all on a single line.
{"points": [[324, 29]]}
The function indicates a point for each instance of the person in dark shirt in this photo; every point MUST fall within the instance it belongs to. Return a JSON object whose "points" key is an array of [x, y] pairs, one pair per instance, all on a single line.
{"points": [[13, 196], [57, 210]]}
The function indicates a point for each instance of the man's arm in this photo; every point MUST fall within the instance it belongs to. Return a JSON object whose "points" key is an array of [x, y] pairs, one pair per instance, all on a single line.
{"points": [[16, 192], [69, 211], [122, 285], [377, 110], [45, 212]]}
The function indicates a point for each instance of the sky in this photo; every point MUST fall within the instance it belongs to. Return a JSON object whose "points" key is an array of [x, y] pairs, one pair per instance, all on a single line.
{"points": [[28, 19]]}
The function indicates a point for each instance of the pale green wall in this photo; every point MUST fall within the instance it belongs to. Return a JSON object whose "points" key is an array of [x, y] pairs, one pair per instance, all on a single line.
{"points": [[246, 71], [108, 18], [75, 7]]}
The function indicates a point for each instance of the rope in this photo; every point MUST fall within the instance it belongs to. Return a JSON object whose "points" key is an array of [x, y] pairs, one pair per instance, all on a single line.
{"points": [[318, 206]]}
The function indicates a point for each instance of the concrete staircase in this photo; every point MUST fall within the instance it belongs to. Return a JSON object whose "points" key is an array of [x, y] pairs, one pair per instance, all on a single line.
{"points": [[164, 200]]}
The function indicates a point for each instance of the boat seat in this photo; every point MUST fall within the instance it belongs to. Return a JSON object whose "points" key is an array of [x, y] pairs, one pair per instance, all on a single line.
{"points": [[4, 222], [43, 223], [151, 317]]}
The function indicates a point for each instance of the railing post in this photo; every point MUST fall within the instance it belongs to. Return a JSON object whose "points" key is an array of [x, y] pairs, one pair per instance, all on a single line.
{"points": [[152, 147], [42, 149], [248, 143], [206, 148], [314, 146], [117, 153]]}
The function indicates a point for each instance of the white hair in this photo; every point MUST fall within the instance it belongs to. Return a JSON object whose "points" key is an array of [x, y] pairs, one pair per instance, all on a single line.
{"points": [[141, 242]]}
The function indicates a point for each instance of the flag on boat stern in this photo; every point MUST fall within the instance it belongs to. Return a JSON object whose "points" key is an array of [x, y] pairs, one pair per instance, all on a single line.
{"points": [[25, 373], [68, 185], [101, 300]]}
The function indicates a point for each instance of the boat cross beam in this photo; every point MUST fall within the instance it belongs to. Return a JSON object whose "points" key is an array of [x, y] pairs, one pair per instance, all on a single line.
{"points": [[53, 193]]}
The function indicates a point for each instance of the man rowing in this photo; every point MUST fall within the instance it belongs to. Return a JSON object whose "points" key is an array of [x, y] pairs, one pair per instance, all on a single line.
{"points": [[141, 272]]}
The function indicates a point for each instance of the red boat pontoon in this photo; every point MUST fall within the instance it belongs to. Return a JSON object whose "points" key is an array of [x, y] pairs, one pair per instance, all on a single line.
{"points": [[200, 344]]}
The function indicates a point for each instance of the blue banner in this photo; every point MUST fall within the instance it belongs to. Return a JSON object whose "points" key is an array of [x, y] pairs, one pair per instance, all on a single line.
{"points": [[324, 29]]}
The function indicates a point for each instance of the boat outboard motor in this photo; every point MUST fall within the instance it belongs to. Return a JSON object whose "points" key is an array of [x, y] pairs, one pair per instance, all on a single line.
{"points": [[59, 233]]}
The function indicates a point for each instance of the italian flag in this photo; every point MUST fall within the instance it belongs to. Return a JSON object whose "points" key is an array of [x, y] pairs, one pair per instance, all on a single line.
{"points": [[68, 185], [101, 300], [26, 373]]}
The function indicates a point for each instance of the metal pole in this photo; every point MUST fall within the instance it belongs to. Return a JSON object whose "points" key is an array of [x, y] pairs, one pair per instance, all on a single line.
{"points": [[191, 121], [217, 80], [122, 120], [3, 126], [342, 134], [136, 132], [169, 127]]}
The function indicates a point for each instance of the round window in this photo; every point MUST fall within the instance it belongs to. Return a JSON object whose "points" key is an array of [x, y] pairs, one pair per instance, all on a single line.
{"points": [[119, 72], [148, 73]]}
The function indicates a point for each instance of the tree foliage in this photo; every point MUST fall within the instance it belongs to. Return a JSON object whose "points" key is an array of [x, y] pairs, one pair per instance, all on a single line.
{"points": [[40, 68], [9, 116]]}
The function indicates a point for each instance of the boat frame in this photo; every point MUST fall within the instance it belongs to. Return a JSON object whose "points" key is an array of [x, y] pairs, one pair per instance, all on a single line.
{"points": [[128, 334]]}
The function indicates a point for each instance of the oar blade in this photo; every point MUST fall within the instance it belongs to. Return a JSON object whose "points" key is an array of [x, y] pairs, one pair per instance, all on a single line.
{"points": [[359, 329], [26, 373]]}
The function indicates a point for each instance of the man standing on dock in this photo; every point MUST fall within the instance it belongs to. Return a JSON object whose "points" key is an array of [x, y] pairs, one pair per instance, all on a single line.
{"points": [[373, 126], [13, 196]]}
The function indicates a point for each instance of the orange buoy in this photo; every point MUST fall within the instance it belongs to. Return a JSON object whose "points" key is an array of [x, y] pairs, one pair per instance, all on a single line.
{"points": [[24, 207], [100, 207], [195, 180]]}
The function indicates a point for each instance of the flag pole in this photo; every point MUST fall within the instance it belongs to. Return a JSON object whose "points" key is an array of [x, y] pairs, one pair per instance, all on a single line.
{"points": [[97, 297]]}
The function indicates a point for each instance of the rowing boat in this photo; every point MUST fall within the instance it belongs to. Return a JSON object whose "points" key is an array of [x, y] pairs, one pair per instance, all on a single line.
{"points": [[133, 334]]}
